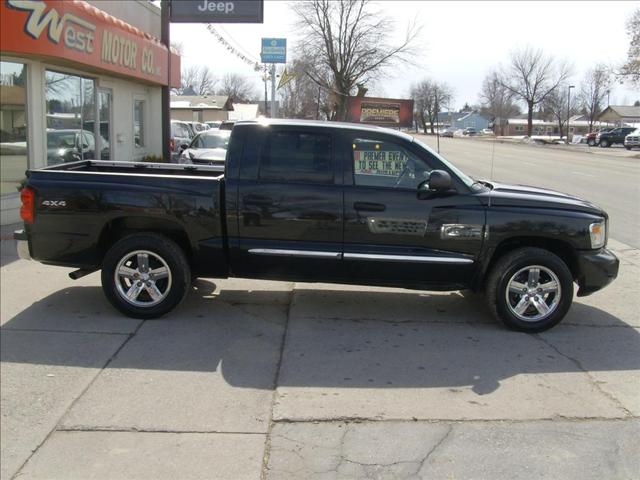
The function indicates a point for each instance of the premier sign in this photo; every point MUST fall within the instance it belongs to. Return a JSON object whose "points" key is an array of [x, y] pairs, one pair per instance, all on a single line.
{"points": [[386, 112], [216, 11]]}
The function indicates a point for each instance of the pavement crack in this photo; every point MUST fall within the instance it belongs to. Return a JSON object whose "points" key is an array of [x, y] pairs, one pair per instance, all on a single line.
{"points": [[276, 380], [435, 447], [75, 400], [590, 377]]}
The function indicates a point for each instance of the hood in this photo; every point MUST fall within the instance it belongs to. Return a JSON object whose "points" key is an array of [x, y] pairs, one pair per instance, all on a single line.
{"points": [[209, 154], [524, 196]]}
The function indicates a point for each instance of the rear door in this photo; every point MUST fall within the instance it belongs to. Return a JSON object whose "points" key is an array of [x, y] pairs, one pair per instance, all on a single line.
{"points": [[289, 205], [390, 236]]}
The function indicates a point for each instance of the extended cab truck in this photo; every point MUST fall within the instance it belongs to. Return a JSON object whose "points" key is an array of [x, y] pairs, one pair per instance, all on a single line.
{"points": [[316, 202]]}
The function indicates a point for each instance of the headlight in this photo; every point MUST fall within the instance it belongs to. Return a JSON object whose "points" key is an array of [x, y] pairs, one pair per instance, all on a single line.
{"points": [[598, 234]]}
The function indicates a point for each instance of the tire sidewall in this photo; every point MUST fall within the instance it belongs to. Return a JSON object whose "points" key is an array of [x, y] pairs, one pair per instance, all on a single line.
{"points": [[553, 263], [161, 246]]}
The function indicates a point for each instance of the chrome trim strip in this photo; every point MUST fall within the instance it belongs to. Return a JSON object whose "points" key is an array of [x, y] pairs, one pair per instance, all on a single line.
{"points": [[405, 258], [294, 253]]}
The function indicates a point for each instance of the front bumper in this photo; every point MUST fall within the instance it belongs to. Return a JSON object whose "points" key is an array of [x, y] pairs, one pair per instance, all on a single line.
{"points": [[22, 244], [597, 269]]}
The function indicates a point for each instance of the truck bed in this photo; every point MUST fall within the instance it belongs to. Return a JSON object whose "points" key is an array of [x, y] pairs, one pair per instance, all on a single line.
{"points": [[80, 206]]}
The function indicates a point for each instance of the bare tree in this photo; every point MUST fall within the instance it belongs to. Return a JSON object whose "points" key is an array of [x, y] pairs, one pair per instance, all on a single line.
{"points": [[497, 102], [350, 41], [531, 76], [555, 106], [631, 68], [593, 90], [238, 87], [302, 97], [197, 80], [428, 98]]}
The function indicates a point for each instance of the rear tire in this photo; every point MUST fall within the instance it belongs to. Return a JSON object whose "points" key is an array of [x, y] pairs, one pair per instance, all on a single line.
{"points": [[591, 142], [530, 289], [145, 275], [604, 144]]}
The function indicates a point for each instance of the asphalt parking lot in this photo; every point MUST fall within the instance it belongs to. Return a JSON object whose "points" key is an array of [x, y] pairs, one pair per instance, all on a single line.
{"points": [[254, 379]]}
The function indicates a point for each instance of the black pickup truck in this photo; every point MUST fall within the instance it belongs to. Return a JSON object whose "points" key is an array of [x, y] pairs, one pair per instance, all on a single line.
{"points": [[316, 202]]}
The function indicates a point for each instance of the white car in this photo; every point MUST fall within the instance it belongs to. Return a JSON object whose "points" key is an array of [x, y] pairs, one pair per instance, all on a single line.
{"points": [[632, 140], [207, 148]]}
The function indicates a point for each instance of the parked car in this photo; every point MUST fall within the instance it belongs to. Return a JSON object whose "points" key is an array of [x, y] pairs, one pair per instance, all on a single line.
{"points": [[207, 148], [469, 131], [180, 135], [317, 202], [447, 132], [487, 131], [214, 124], [613, 136], [227, 125], [69, 145], [590, 138], [197, 127], [632, 140]]}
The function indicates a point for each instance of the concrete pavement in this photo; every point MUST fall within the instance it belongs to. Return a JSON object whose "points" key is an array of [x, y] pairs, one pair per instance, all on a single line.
{"points": [[273, 380]]}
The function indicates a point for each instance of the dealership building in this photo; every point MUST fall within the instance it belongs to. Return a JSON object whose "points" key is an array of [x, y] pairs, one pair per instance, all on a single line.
{"points": [[79, 80]]}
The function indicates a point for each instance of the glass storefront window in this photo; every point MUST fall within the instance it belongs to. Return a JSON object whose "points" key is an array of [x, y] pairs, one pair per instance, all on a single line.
{"points": [[71, 117], [104, 115], [13, 126], [138, 123]]}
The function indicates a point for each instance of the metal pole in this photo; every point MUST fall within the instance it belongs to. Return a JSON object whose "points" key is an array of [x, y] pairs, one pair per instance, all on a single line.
{"points": [[274, 107], [165, 5], [568, 113], [437, 107], [265, 78]]}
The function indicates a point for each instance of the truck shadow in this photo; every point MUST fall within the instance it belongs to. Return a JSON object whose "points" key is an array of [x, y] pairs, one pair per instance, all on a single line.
{"points": [[335, 338]]}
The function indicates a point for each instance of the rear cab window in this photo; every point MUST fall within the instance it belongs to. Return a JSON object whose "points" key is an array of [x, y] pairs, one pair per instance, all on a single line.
{"points": [[296, 156]]}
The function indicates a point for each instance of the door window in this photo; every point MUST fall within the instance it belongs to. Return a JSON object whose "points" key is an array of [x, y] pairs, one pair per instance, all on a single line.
{"points": [[104, 129], [296, 157], [13, 126], [386, 164]]}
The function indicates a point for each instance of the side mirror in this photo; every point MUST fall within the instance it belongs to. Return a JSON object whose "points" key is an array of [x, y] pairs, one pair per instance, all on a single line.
{"points": [[184, 146], [438, 182]]}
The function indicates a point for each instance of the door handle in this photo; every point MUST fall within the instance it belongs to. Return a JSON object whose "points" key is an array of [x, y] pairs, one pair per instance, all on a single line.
{"points": [[369, 207]]}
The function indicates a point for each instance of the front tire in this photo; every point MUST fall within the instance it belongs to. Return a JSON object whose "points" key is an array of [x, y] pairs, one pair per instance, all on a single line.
{"points": [[145, 275], [530, 289], [591, 142], [604, 143]]}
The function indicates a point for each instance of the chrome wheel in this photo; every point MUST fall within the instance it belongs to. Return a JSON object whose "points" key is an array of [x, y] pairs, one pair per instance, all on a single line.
{"points": [[533, 293], [142, 278]]}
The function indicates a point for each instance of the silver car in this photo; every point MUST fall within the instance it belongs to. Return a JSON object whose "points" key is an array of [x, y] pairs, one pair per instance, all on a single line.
{"points": [[207, 148], [632, 140]]}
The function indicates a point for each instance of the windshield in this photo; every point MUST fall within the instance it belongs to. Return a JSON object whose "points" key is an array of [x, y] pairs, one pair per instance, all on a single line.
{"points": [[468, 181], [61, 139], [213, 141]]}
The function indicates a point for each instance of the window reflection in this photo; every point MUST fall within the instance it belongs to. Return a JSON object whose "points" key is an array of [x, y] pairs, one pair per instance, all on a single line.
{"points": [[13, 125], [70, 103]]}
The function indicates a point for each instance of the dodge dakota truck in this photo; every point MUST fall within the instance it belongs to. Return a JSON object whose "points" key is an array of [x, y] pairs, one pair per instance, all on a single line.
{"points": [[312, 201]]}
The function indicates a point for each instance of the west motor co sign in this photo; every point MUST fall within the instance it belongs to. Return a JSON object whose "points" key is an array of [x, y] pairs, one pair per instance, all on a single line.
{"points": [[216, 11], [78, 32]]}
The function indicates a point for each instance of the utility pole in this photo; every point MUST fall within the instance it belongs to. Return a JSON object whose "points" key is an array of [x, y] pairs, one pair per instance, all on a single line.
{"points": [[274, 107], [265, 78], [165, 5], [568, 112]]}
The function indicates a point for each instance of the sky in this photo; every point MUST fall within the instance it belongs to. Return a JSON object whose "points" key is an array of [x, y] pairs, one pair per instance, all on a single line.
{"points": [[459, 41]]}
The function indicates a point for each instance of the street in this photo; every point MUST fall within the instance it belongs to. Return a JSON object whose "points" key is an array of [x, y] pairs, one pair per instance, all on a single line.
{"points": [[610, 178]]}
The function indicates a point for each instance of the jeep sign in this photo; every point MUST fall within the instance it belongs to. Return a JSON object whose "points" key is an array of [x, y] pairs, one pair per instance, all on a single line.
{"points": [[216, 11]]}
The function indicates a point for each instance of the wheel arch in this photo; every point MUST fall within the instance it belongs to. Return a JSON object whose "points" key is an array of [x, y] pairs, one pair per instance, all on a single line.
{"points": [[119, 227], [562, 249]]}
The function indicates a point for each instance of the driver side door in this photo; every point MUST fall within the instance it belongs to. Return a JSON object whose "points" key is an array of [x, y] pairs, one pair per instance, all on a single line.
{"points": [[390, 236]]}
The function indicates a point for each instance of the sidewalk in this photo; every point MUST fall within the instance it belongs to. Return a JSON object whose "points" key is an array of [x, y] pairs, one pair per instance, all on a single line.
{"points": [[273, 380]]}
